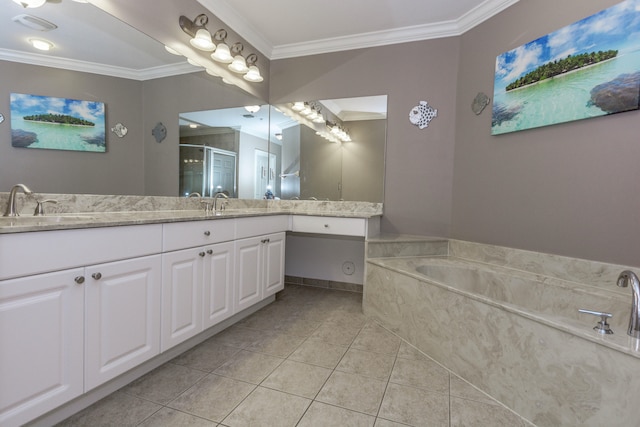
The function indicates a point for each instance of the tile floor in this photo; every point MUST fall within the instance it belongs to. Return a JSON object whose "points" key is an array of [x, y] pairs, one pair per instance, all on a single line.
{"points": [[311, 358]]}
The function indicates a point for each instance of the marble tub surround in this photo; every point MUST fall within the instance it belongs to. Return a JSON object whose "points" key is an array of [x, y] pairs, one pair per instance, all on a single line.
{"points": [[325, 284], [572, 269], [537, 356], [403, 245]]}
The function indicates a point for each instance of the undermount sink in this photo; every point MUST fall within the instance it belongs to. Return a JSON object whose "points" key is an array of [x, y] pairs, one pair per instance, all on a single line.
{"points": [[46, 219]]}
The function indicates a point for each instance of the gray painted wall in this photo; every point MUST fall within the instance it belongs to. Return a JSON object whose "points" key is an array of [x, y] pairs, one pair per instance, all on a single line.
{"points": [[571, 189], [419, 163]]}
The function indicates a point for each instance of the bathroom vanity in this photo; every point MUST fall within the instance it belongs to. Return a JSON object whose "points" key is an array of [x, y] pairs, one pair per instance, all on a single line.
{"points": [[86, 301]]}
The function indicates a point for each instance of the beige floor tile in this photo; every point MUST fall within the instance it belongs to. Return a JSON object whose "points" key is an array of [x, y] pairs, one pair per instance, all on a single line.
{"points": [[353, 392], [466, 413], [167, 417], [117, 409], [366, 363], [415, 407], [165, 383], [336, 335], [422, 373], [375, 338], [213, 398], [249, 366], [347, 318], [381, 422], [238, 336], [276, 344], [207, 356], [319, 353], [298, 325], [297, 378], [407, 351], [265, 407], [323, 415], [461, 388], [264, 320]]}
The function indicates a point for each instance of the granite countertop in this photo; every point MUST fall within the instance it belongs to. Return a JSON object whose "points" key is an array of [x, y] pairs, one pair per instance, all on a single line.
{"points": [[66, 221]]}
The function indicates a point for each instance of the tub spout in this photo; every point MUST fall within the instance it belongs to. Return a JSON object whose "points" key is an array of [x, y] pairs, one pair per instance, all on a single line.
{"points": [[634, 320]]}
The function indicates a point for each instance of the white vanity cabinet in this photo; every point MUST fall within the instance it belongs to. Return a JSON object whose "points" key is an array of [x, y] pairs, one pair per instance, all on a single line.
{"points": [[63, 332], [197, 282], [122, 317], [259, 259], [41, 344]]}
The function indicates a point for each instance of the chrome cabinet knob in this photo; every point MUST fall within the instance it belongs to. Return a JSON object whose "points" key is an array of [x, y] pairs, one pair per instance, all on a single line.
{"points": [[210, 251], [79, 280], [97, 276], [207, 233], [201, 254]]}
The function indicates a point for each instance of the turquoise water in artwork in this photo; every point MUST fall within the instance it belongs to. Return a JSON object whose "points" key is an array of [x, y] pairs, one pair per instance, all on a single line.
{"points": [[56, 136], [560, 99], [62, 137]]}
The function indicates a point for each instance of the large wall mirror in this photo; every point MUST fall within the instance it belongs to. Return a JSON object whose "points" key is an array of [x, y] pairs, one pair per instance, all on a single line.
{"points": [[314, 150]]}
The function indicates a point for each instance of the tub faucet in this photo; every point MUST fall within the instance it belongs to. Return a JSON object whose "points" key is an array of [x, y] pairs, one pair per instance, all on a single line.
{"points": [[11, 205], [634, 320]]}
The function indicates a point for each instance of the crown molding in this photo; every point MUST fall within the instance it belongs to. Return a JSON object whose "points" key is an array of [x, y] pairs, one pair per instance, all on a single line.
{"points": [[479, 14], [95, 68]]}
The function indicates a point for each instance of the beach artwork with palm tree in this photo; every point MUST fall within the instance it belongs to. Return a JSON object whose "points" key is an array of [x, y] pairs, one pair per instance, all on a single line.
{"points": [[590, 68]]}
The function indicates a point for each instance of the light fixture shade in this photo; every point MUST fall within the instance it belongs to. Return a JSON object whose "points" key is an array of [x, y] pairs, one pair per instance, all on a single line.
{"points": [[239, 65], [298, 106], [212, 73], [202, 40], [172, 50], [222, 54], [30, 3], [253, 75], [194, 63], [252, 108]]}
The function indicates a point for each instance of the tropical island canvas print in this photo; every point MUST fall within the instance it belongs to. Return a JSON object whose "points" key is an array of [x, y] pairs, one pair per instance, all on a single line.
{"points": [[588, 69], [57, 123]]}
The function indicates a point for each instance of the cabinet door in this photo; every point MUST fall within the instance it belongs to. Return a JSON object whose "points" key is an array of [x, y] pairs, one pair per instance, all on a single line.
{"points": [[218, 283], [248, 282], [181, 295], [122, 311], [41, 335], [273, 264]]}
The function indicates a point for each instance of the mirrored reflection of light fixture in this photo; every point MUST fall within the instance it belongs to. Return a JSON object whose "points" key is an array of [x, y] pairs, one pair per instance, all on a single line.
{"points": [[252, 108], [30, 3], [278, 136], [41, 44], [298, 106], [172, 50], [338, 132], [239, 64]]}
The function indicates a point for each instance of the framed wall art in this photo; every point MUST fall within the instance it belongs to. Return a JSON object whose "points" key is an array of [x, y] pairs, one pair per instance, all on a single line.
{"points": [[57, 123], [588, 69]]}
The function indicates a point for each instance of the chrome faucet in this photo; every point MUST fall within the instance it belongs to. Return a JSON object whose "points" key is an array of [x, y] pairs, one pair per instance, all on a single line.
{"points": [[215, 201], [194, 194], [11, 205], [634, 320]]}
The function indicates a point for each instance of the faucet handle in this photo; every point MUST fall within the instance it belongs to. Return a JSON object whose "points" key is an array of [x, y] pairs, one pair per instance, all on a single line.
{"points": [[207, 206], [40, 206], [602, 327]]}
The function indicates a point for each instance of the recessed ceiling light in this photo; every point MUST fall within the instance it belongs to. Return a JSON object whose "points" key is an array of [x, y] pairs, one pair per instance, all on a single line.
{"points": [[30, 3], [41, 44]]}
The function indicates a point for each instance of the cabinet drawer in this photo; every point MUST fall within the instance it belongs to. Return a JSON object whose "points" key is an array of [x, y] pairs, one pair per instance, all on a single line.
{"points": [[23, 254], [328, 225], [182, 235], [259, 225]]}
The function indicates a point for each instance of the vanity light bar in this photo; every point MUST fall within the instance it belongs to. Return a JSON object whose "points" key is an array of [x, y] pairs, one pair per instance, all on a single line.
{"points": [[202, 39]]}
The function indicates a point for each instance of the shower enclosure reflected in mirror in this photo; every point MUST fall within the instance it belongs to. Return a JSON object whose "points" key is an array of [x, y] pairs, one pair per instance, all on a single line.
{"points": [[283, 152]]}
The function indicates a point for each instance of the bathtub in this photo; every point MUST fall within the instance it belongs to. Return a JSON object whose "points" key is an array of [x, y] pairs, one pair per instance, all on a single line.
{"points": [[516, 335]]}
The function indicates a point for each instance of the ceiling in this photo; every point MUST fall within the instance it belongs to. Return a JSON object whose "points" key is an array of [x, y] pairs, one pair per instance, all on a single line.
{"points": [[290, 28], [88, 39]]}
